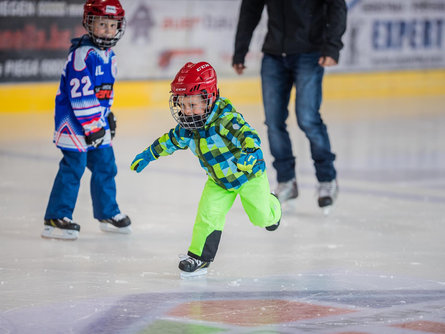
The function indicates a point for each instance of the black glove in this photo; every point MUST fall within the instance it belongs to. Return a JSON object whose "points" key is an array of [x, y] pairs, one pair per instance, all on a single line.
{"points": [[95, 138], [112, 124]]}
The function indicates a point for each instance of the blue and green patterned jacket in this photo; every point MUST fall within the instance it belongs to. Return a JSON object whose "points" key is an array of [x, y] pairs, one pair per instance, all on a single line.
{"points": [[218, 145]]}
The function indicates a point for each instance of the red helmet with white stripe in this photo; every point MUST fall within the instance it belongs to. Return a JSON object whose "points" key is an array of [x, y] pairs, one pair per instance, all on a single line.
{"points": [[193, 79], [104, 9]]}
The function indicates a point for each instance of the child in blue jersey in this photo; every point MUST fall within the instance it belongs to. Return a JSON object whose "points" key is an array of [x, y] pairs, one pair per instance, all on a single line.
{"points": [[85, 125]]}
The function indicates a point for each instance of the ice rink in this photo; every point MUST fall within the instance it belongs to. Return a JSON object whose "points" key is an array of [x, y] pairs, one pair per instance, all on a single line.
{"points": [[375, 265]]}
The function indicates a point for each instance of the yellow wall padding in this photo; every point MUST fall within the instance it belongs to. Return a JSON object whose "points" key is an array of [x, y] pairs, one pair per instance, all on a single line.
{"points": [[39, 97]]}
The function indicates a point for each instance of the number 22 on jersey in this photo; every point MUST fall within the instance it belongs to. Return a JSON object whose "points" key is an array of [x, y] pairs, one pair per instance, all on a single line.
{"points": [[81, 87]]}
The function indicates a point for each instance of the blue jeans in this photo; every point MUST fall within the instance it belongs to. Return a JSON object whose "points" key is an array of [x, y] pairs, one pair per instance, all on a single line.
{"points": [[278, 75], [102, 164]]}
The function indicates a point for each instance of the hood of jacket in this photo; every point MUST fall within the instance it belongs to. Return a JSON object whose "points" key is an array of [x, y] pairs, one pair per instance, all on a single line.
{"points": [[85, 40], [217, 110]]}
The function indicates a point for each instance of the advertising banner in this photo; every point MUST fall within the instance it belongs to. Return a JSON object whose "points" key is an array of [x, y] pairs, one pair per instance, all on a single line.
{"points": [[161, 38], [161, 35], [35, 37], [394, 35]]}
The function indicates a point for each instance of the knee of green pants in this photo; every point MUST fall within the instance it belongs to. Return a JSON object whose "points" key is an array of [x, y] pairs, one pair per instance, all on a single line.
{"points": [[261, 206], [268, 215]]}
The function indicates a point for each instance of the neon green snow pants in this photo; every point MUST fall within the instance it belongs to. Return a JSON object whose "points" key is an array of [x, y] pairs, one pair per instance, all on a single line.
{"points": [[262, 208]]}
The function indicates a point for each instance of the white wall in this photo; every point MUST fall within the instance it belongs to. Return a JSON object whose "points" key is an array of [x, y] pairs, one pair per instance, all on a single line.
{"points": [[381, 35], [162, 35]]}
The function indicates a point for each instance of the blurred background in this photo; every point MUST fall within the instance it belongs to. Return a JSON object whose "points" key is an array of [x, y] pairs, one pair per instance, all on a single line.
{"points": [[392, 48]]}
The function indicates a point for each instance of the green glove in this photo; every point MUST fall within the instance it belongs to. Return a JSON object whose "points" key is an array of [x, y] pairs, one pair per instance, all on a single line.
{"points": [[248, 159]]}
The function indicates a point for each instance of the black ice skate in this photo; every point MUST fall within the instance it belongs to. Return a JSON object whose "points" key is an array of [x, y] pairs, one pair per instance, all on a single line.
{"points": [[60, 228], [191, 267], [274, 226], [117, 224], [327, 194]]}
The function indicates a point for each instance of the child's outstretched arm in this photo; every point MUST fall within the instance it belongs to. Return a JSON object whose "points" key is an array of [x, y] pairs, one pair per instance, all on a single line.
{"points": [[175, 139], [143, 159]]}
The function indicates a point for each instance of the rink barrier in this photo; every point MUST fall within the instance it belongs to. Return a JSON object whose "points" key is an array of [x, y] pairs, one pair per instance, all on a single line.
{"points": [[39, 97]]}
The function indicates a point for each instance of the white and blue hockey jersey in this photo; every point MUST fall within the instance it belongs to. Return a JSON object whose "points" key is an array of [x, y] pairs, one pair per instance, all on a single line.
{"points": [[85, 95]]}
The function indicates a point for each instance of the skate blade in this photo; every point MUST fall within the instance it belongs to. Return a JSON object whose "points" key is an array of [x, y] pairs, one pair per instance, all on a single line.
{"points": [[50, 232], [195, 274], [289, 207], [327, 210], [106, 227]]}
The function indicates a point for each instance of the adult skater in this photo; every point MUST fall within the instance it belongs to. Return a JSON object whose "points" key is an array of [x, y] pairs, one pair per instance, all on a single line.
{"points": [[303, 37]]}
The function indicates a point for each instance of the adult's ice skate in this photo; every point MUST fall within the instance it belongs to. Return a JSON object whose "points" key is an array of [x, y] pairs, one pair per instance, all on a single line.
{"points": [[286, 190], [327, 194]]}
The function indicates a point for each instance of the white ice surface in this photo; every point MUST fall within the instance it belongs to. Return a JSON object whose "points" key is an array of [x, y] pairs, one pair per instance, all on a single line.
{"points": [[384, 235]]}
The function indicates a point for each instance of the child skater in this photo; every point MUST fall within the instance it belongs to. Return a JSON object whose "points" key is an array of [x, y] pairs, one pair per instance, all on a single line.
{"points": [[228, 149], [85, 125]]}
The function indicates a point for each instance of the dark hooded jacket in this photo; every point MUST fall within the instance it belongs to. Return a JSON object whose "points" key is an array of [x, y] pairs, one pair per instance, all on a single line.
{"points": [[294, 26]]}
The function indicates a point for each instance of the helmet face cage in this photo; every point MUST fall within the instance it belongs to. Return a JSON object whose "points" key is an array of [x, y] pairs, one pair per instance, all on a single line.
{"points": [[192, 120], [104, 42]]}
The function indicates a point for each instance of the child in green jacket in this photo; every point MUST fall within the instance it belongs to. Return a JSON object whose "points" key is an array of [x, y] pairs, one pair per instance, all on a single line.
{"points": [[228, 149]]}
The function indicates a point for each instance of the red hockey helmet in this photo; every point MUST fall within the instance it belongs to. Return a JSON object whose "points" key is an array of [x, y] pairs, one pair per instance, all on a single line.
{"points": [[106, 9], [193, 79]]}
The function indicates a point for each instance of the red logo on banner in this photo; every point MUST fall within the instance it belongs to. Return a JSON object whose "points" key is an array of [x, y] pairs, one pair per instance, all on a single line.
{"points": [[31, 37]]}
